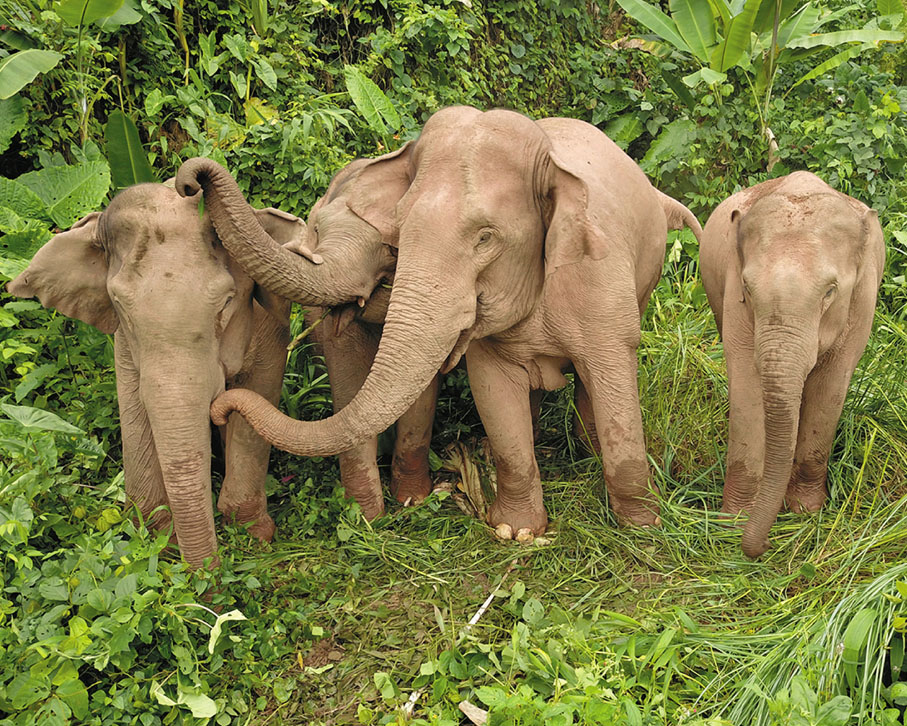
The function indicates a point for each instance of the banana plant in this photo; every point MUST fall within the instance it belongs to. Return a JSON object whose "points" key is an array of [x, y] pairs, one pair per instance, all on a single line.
{"points": [[758, 36]]}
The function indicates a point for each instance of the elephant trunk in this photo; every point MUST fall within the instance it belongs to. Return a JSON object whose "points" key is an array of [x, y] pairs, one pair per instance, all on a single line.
{"points": [[178, 414], [784, 359], [425, 317], [268, 263]]}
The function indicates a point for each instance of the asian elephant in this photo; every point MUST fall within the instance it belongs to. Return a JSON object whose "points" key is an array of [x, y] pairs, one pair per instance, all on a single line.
{"points": [[354, 263], [791, 268], [531, 247], [187, 321]]}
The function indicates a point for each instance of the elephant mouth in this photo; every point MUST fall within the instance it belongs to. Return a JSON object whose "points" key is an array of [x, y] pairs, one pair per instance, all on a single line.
{"points": [[466, 337]]}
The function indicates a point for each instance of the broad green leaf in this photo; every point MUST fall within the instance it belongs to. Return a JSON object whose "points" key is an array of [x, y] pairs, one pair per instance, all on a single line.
{"points": [[35, 419], [722, 10], [674, 140], [625, 129], [25, 690], [128, 162], [656, 21], [158, 693], [74, 693], [854, 641], [70, 192], [370, 101], [259, 112], [83, 12], [736, 38], [835, 712], [890, 7], [12, 120], [16, 40], [831, 63], [385, 686], [704, 74], [22, 200], [800, 25], [126, 15], [676, 85], [219, 624], [765, 17], [21, 237], [265, 73], [696, 25], [20, 69], [840, 37]]}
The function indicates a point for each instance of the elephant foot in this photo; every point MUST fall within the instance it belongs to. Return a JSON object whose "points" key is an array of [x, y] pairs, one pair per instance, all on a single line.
{"points": [[410, 487], [636, 513], [801, 499], [518, 517], [363, 484], [733, 507], [260, 523]]}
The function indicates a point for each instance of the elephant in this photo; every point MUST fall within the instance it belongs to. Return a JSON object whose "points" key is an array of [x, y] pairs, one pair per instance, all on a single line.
{"points": [[353, 267], [187, 322], [791, 269], [531, 248]]}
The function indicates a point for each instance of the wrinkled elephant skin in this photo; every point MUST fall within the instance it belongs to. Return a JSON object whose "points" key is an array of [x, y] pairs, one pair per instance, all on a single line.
{"points": [[532, 248], [791, 269], [187, 321]]}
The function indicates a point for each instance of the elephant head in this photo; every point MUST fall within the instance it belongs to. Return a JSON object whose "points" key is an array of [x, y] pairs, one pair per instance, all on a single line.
{"points": [[489, 212], [803, 258], [344, 256], [151, 269]]}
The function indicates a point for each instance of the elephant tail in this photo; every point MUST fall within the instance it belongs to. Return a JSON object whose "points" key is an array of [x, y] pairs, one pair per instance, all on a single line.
{"points": [[679, 216]]}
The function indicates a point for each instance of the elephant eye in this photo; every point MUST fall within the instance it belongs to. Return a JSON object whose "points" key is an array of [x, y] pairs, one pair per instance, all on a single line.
{"points": [[484, 238], [831, 291]]}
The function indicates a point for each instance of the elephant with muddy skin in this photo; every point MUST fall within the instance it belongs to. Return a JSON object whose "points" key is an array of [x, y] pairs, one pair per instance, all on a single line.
{"points": [[791, 268], [187, 322], [531, 248]]}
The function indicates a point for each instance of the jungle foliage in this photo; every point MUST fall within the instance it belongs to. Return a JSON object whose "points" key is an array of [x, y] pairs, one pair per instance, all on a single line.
{"points": [[340, 621]]}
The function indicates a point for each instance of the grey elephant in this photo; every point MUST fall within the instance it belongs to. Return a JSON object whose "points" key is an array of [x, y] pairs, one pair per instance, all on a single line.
{"points": [[530, 247], [791, 268], [187, 321], [348, 268]]}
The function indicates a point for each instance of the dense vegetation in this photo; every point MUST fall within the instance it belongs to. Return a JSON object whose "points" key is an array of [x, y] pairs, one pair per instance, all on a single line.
{"points": [[339, 620]]}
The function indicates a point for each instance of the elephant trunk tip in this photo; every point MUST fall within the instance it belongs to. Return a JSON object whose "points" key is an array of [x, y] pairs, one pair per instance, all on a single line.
{"points": [[223, 406], [755, 549], [190, 175]]}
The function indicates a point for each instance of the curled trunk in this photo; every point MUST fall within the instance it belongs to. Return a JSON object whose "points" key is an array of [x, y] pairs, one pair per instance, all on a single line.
{"points": [[424, 320], [275, 268], [783, 374]]}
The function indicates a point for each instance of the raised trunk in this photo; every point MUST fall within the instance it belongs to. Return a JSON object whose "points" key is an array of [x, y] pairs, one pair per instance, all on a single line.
{"points": [[426, 314], [275, 268], [182, 436], [783, 372]]}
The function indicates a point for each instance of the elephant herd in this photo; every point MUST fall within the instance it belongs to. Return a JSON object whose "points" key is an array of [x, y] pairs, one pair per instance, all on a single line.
{"points": [[530, 248]]}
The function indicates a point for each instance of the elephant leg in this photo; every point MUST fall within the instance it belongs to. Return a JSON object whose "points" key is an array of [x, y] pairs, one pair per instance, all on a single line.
{"points": [[141, 466], [410, 473], [535, 407], [820, 409], [349, 357], [746, 426], [614, 395], [242, 495], [501, 393], [584, 429]]}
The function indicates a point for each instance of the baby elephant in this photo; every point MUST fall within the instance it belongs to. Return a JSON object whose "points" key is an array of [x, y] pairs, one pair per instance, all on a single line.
{"points": [[187, 321], [791, 268]]}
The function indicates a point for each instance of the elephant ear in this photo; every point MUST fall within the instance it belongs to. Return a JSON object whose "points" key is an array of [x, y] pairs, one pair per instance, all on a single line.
{"points": [[377, 188], [69, 273], [572, 231]]}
